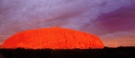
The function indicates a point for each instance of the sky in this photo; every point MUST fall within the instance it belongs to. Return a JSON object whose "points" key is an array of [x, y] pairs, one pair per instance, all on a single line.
{"points": [[113, 21]]}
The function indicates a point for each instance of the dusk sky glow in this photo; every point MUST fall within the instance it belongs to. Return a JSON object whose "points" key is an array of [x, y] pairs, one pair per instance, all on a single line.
{"points": [[113, 21]]}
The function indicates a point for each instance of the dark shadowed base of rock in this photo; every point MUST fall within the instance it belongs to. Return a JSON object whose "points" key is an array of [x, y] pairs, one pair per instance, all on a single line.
{"points": [[126, 52]]}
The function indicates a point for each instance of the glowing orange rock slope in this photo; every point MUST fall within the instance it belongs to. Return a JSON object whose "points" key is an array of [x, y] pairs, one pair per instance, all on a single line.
{"points": [[53, 38], [0, 46]]}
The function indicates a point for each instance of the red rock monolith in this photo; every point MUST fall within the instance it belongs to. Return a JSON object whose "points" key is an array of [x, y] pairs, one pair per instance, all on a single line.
{"points": [[53, 38]]}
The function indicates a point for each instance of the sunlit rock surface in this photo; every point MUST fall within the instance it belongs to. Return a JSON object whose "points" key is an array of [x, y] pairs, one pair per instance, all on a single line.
{"points": [[54, 38]]}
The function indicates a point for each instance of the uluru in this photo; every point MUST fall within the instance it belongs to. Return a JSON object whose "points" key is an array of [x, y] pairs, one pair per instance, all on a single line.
{"points": [[53, 38]]}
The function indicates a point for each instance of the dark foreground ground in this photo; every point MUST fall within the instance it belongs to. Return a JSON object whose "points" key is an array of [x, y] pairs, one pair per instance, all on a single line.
{"points": [[120, 52]]}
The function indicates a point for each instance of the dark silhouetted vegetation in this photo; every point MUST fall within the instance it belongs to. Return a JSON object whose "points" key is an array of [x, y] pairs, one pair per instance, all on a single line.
{"points": [[126, 52]]}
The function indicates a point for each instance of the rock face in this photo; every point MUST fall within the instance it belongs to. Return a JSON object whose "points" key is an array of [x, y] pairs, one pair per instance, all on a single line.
{"points": [[53, 38], [0, 46]]}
